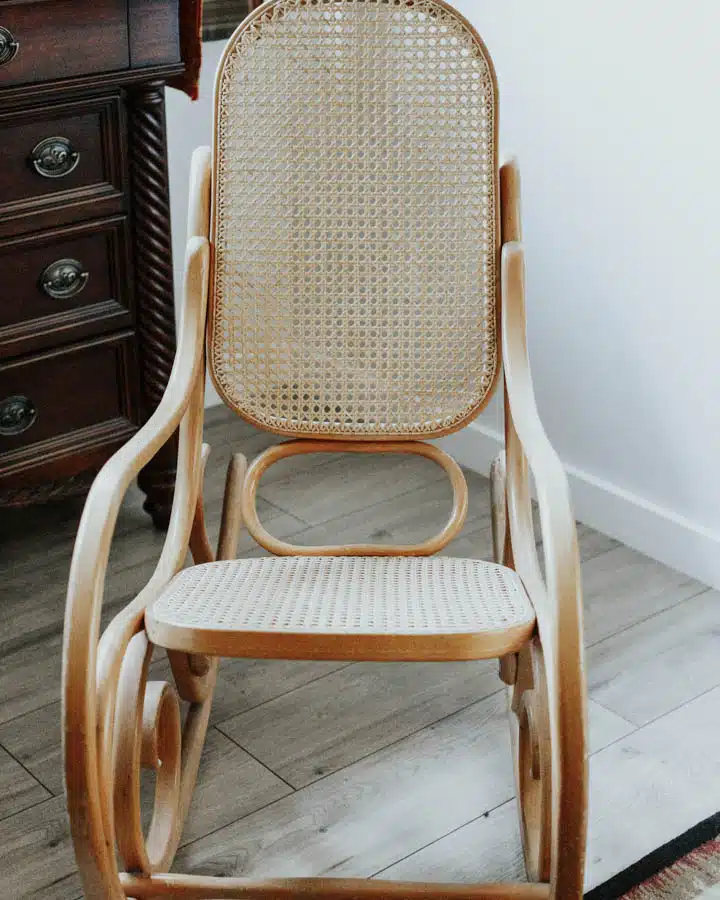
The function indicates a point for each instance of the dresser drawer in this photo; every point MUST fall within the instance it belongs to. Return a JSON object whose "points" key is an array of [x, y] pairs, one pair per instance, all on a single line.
{"points": [[59, 154], [63, 285], [58, 398], [45, 40]]}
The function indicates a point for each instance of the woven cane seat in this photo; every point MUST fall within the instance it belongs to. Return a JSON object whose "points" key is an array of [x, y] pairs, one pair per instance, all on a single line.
{"points": [[340, 607]]}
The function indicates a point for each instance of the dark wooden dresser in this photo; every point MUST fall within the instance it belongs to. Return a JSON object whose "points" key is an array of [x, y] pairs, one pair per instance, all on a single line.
{"points": [[87, 324]]}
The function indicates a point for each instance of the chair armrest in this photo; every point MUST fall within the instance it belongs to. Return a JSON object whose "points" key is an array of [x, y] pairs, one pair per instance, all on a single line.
{"points": [[557, 597], [103, 502], [90, 669]]}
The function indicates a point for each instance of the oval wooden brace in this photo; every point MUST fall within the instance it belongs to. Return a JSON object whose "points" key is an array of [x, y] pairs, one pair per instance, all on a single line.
{"points": [[294, 448]]}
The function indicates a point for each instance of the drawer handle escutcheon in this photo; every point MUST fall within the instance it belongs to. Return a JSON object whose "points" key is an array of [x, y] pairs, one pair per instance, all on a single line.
{"points": [[64, 278], [17, 414], [54, 157], [8, 46]]}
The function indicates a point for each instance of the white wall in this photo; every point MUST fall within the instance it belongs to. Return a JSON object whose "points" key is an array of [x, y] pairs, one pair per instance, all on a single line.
{"points": [[612, 109]]}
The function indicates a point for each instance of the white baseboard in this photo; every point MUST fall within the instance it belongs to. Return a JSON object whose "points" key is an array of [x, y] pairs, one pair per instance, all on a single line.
{"points": [[650, 529]]}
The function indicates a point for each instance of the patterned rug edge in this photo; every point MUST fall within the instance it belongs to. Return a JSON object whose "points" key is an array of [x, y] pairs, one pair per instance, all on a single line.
{"points": [[655, 862]]}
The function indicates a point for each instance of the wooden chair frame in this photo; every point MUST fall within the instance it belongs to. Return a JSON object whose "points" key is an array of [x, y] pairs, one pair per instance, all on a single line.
{"points": [[115, 721]]}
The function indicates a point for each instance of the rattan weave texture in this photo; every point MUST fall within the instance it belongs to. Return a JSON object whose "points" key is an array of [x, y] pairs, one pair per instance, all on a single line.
{"points": [[355, 220], [345, 595]]}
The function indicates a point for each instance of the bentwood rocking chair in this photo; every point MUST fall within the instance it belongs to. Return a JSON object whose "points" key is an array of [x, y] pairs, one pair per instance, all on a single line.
{"points": [[354, 276]]}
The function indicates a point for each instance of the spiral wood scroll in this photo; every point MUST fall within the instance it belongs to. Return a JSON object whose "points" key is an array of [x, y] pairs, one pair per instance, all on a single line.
{"points": [[153, 277], [146, 735]]}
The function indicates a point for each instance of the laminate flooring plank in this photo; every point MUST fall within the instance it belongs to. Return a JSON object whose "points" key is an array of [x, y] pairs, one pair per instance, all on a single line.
{"points": [[30, 676], [348, 483], [230, 785], [330, 723], [35, 740], [645, 789], [660, 663], [653, 785], [18, 789], [487, 849], [36, 854], [623, 587], [243, 684], [363, 818], [408, 519]]}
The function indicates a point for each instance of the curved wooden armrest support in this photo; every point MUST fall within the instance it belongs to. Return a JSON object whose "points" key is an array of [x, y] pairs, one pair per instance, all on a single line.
{"points": [[557, 598], [87, 711], [530, 446]]}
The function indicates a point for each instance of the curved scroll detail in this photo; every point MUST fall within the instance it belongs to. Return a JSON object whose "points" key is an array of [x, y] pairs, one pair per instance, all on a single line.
{"points": [[533, 763], [146, 735]]}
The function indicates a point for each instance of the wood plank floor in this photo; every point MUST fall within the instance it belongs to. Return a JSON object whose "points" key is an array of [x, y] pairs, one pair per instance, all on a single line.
{"points": [[367, 769]]}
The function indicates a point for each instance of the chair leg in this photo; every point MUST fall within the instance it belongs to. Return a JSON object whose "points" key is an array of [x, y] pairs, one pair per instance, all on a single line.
{"points": [[532, 758], [549, 763], [501, 545], [195, 674]]}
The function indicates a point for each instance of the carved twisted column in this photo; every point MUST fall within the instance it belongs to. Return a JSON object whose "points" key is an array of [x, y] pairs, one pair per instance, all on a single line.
{"points": [[153, 279]]}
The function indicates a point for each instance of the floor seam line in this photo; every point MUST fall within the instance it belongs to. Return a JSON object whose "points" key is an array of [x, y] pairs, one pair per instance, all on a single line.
{"points": [[31, 774], [659, 612], [284, 694], [19, 812], [258, 761], [483, 815], [345, 514], [342, 768]]}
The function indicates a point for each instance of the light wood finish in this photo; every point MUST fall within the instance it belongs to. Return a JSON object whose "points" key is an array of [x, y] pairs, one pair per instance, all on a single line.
{"points": [[116, 720], [199, 542], [89, 698], [147, 735], [198, 222], [200, 888], [510, 213], [498, 501], [392, 374], [232, 517], [364, 609], [37, 859], [294, 448], [532, 749], [556, 597]]}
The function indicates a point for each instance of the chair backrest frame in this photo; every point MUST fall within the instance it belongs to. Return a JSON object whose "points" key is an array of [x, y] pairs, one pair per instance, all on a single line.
{"points": [[470, 326]]}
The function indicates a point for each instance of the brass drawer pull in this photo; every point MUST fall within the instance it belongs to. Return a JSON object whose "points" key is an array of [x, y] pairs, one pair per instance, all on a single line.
{"points": [[64, 278], [17, 414], [54, 157], [8, 46]]}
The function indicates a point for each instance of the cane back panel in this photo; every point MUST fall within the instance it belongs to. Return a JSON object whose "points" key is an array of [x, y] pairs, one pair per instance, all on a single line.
{"points": [[355, 220]]}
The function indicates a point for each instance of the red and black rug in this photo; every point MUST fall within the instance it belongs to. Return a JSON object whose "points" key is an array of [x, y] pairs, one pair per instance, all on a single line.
{"points": [[687, 868]]}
